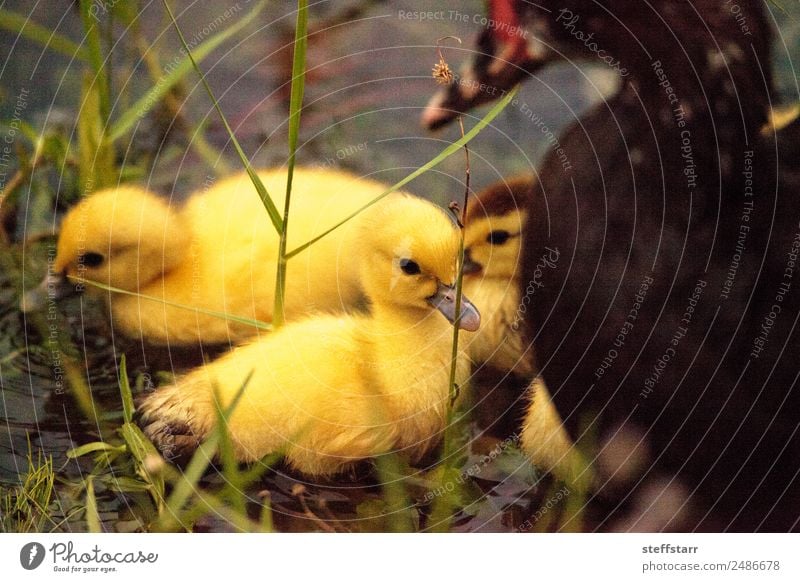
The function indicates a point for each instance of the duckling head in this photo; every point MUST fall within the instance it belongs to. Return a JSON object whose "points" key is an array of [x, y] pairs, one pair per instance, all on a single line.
{"points": [[124, 237], [411, 261], [495, 219]]}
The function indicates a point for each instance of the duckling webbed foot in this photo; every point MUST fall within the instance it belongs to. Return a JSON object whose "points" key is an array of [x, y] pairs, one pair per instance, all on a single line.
{"points": [[169, 425]]}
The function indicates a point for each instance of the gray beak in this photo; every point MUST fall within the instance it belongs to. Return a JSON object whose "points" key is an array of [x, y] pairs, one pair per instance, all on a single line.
{"points": [[445, 302], [53, 287], [470, 267]]}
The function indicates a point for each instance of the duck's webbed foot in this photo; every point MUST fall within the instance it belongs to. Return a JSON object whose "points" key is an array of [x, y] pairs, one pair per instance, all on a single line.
{"points": [[171, 423]]}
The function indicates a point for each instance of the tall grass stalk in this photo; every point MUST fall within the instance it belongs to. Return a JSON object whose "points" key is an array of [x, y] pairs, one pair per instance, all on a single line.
{"points": [[295, 108], [99, 63], [454, 388], [446, 504]]}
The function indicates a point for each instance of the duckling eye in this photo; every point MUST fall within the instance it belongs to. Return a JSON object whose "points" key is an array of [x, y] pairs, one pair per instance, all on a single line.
{"points": [[91, 260], [498, 237], [409, 267]]}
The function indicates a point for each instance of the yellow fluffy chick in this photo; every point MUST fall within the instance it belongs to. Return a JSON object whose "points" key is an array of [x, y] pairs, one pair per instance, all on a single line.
{"points": [[547, 443], [216, 252], [329, 390], [495, 219]]}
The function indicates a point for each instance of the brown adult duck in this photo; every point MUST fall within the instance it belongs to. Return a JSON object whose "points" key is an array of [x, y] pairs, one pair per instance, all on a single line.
{"points": [[668, 331]]}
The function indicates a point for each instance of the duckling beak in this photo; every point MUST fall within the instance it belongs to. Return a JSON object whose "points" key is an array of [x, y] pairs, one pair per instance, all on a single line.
{"points": [[470, 266], [53, 287], [445, 301]]}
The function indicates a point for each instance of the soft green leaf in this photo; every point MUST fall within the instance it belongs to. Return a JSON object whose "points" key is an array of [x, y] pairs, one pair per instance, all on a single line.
{"points": [[139, 445], [141, 448], [129, 485], [143, 451], [92, 448]]}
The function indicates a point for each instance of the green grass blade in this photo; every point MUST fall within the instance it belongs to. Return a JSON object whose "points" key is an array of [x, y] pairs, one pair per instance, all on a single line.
{"points": [[446, 153], [97, 167], [26, 507], [266, 516], [163, 85], [272, 210], [295, 108], [257, 470], [454, 389], [92, 515], [80, 389], [91, 28], [230, 467], [200, 461], [94, 447], [125, 484], [207, 503], [125, 391], [37, 33], [199, 310], [298, 84], [140, 448]]}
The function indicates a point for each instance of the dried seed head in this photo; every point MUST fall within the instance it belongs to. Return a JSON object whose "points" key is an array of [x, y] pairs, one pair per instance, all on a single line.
{"points": [[442, 72]]}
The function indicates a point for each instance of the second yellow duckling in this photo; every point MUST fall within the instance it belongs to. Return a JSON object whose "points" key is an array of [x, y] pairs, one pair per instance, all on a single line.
{"points": [[217, 252], [493, 248], [330, 390], [492, 240]]}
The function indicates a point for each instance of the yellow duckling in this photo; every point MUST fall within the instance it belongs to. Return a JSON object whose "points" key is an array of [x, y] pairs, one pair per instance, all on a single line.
{"points": [[217, 252], [330, 390], [493, 246], [547, 443]]}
